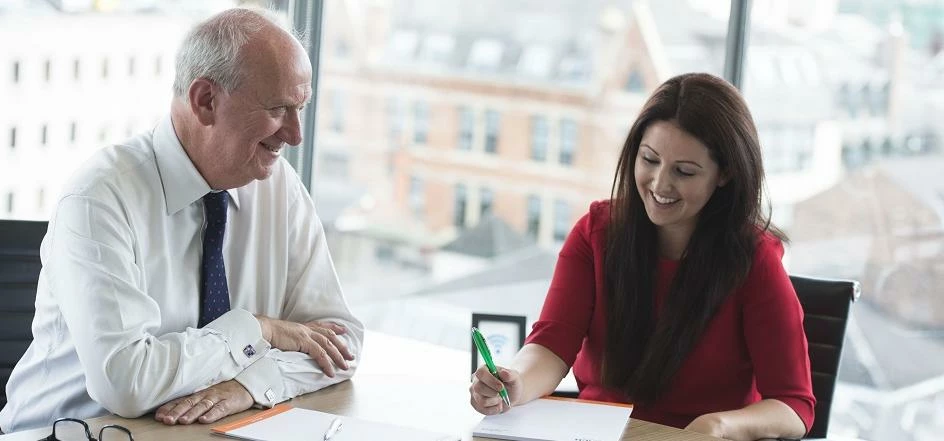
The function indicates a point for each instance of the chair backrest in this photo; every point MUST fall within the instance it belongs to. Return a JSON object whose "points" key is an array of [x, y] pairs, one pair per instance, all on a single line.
{"points": [[19, 273], [826, 311]]}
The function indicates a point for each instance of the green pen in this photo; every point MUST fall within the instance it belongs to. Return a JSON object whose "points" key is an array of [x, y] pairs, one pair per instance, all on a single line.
{"points": [[487, 355]]}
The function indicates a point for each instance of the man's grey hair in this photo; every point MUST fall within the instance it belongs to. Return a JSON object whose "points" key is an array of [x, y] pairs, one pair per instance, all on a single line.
{"points": [[212, 50]]}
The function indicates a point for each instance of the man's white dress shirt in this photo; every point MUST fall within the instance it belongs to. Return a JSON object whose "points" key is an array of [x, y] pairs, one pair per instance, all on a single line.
{"points": [[118, 298]]}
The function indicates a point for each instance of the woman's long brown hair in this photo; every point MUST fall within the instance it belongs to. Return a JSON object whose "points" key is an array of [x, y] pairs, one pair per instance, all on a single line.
{"points": [[642, 355]]}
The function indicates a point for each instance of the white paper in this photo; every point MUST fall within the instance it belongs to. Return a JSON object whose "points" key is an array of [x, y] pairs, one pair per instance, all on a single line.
{"points": [[557, 420], [307, 425]]}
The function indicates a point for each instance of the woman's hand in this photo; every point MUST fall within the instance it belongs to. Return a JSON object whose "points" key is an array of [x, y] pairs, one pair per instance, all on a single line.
{"points": [[484, 390], [711, 424]]}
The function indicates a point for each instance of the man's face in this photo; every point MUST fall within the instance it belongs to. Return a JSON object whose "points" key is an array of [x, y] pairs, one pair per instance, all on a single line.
{"points": [[262, 114]]}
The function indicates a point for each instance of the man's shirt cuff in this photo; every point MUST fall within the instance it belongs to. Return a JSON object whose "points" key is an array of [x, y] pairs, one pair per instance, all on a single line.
{"points": [[263, 380], [243, 336]]}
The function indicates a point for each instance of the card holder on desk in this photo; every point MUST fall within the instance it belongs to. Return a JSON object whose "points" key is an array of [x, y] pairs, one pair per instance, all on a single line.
{"points": [[287, 423]]}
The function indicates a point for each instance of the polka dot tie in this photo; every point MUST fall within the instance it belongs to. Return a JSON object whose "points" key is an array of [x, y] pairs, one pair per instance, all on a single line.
{"points": [[214, 292]]}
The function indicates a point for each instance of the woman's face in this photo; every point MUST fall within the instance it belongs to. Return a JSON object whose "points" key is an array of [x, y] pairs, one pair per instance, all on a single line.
{"points": [[676, 176]]}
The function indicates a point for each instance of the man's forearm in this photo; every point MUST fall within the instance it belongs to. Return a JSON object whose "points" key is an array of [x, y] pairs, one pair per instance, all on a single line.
{"points": [[283, 375]]}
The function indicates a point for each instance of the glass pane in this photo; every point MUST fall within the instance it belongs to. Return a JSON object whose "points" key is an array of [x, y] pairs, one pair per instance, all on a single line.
{"points": [[847, 99], [94, 74], [114, 434], [479, 132], [71, 431]]}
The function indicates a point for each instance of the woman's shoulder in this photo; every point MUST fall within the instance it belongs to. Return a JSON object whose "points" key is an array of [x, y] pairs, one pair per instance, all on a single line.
{"points": [[768, 245], [591, 227], [598, 216], [768, 256]]}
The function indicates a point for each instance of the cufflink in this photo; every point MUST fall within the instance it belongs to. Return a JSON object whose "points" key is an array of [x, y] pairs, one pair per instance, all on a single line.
{"points": [[270, 395], [249, 351]]}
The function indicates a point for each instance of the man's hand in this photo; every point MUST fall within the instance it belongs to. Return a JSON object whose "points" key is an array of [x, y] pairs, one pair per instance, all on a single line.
{"points": [[317, 339], [207, 405]]}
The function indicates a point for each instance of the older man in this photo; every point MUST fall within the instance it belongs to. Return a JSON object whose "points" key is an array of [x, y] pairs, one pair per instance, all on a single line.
{"points": [[185, 270]]}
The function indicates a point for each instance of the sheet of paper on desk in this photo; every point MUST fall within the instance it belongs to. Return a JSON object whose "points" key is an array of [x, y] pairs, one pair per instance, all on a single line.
{"points": [[287, 423], [557, 419]]}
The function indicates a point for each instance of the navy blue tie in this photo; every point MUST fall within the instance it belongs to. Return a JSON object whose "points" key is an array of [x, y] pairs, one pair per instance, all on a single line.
{"points": [[214, 292]]}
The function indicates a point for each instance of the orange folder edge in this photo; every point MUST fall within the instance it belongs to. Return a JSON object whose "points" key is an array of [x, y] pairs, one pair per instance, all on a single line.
{"points": [[578, 400], [279, 408]]}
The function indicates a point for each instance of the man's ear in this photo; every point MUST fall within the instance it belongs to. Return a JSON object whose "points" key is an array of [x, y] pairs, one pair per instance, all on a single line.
{"points": [[202, 96]]}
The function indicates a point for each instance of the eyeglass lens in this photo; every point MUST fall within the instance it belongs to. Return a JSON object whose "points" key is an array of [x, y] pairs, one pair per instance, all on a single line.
{"points": [[113, 433], [67, 430]]}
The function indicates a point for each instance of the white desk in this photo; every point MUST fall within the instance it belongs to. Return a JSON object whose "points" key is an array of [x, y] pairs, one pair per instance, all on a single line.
{"points": [[399, 381]]}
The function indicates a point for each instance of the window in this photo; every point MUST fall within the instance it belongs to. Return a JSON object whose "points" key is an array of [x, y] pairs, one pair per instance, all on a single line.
{"points": [[417, 196], [82, 62], [384, 252], [839, 119], [539, 133], [866, 150], [561, 219], [337, 111], [394, 119], [436, 86], [634, 82], [492, 122], [568, 141], [534, 216], [458, 211], [420, 122], [466, 128], [486, 197]]}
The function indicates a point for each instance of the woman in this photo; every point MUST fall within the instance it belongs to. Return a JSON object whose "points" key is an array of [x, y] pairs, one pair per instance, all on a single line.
{"points": [[671, 295]]}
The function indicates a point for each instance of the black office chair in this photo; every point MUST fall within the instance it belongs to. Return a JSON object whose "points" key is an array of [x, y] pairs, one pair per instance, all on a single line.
{"points": [[826, 311], [19, 273]]}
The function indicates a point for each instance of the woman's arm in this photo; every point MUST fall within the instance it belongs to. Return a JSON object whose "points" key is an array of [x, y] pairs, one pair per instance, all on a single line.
{"points": [[556, 337], [773, 332], [539, 370], [768, 418]]}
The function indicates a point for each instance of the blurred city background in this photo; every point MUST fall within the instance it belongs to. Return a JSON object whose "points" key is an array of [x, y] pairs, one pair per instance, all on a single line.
{"points": [[457, 141]]}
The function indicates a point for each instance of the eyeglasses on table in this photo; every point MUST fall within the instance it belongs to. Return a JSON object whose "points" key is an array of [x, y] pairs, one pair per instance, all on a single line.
{"points": [[71, 429]]}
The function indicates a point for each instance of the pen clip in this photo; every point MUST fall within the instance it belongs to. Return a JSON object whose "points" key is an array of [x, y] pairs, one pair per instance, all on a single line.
{"points": [[482, 345]]}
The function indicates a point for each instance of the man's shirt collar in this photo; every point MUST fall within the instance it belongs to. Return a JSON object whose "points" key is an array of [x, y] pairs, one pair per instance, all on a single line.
{"points": [[181, 181]]}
